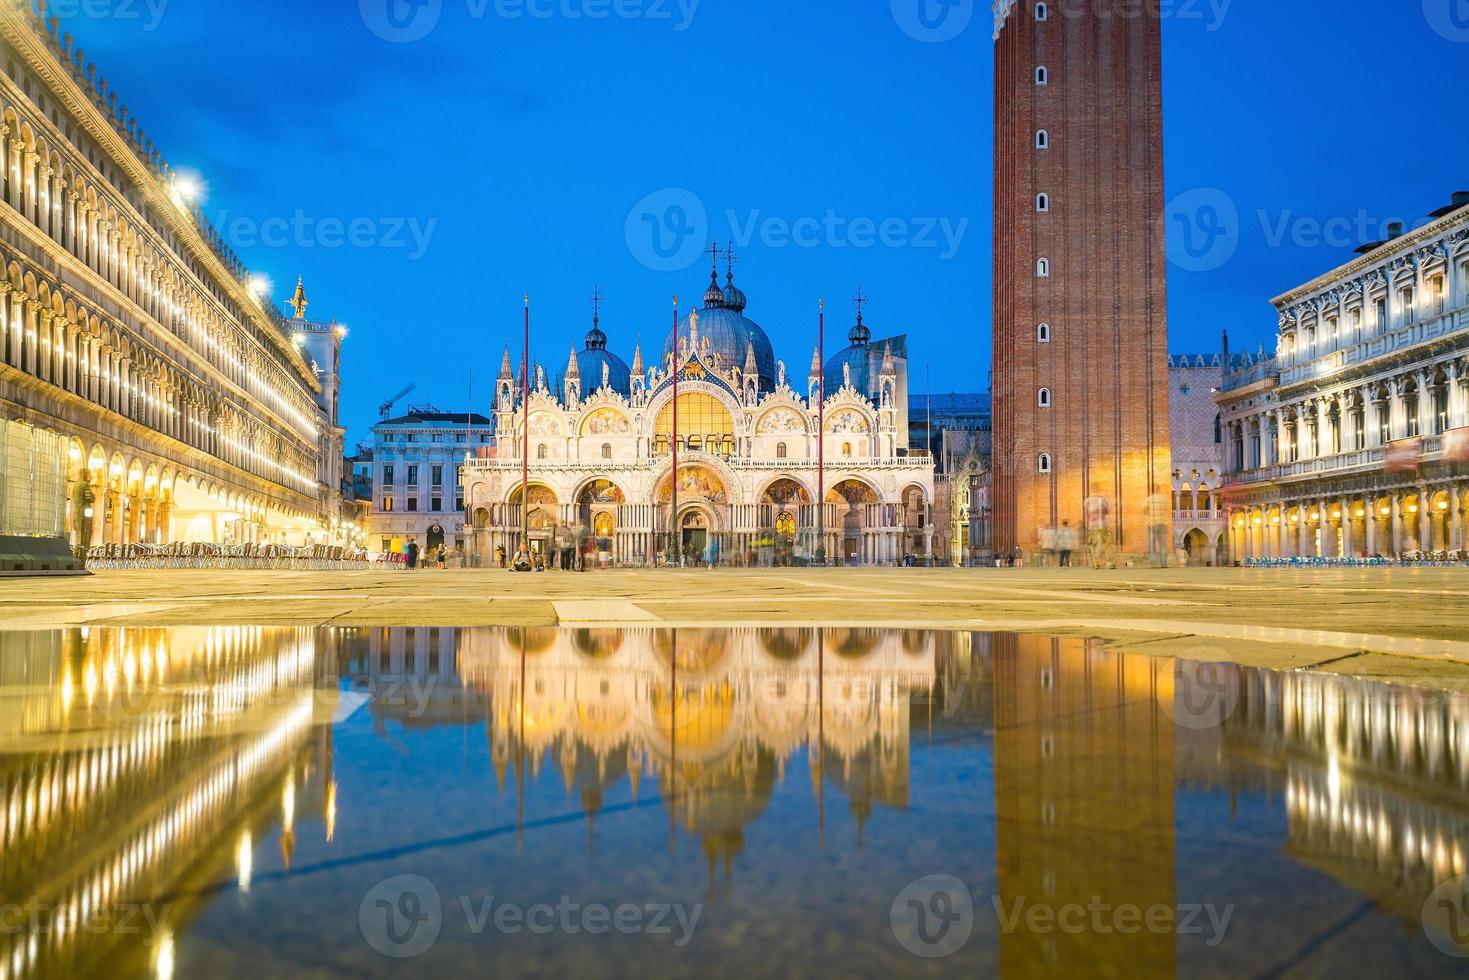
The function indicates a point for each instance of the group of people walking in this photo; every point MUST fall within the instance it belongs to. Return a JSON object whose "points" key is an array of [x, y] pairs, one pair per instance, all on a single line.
{"points": [[414, 558]]}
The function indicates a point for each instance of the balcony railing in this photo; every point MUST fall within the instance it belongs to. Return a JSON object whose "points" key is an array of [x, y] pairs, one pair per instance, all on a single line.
{"points": [[1405, 335]]}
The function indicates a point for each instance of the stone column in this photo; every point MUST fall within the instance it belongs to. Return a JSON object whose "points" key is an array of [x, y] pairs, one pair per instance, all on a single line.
{"points": [[1395, 502], [1456, 408], [1456, 511], [1425, 518], [1369, 528], [1348, 548]]}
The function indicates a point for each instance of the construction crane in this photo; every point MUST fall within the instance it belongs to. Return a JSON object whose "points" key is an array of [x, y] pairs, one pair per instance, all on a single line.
{"points": [[386, 408]]}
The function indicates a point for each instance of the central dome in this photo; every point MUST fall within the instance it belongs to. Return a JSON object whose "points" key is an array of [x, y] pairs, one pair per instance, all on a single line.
{"points": [[730, 334]]}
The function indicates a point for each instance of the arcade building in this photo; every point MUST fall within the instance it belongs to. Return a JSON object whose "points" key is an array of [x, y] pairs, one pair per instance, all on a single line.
{"points": [[751, 479]]}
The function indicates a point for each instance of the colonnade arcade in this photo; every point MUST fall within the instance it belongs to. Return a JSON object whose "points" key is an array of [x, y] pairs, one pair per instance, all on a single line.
{"points": [[138, 499], [1391, 522], [778, 525]]}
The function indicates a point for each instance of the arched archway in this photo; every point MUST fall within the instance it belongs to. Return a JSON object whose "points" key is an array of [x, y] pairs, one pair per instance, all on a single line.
{"points": [[1198, 548], [850, 503], [786, 515], [543, 506]]}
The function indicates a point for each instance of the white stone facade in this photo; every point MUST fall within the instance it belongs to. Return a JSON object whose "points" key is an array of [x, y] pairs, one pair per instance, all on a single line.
{"points": [[417, 493], [600, 468], [1198, 458], [1354, 440]]}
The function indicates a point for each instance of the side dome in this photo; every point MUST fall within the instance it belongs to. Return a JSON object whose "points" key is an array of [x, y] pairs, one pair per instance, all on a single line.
{"points": [[589, 363]]}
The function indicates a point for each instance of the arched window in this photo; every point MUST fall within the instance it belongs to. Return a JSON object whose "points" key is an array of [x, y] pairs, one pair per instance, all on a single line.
{"points": [[1045, 463], [1043, 398], [541, 451], [780, 451], [1043, 268], [1043, 333], [606, 450], [1218, 431], [1043, 203], [1042, 75], [1042, 12], [1042, 140]]}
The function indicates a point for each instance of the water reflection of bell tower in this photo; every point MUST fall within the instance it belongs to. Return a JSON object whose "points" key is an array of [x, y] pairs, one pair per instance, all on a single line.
{"points": [[1084, 803]]}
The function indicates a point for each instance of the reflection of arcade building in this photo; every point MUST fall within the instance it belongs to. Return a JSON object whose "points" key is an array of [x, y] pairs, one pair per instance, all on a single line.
{"points": [[1375, 778], [718, 730], [198, 742], [601, 441]]}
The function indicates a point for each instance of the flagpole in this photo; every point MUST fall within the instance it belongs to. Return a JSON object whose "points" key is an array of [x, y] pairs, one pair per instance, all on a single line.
{"points": [[820, 556], [525, 435], [674, 545]]}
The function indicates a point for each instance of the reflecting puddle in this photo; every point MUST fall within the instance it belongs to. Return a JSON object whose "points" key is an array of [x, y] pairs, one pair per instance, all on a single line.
{"points": [[246, 802]]}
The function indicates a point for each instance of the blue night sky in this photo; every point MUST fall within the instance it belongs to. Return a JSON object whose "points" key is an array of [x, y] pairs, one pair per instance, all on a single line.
{"points": [[505, 153]]}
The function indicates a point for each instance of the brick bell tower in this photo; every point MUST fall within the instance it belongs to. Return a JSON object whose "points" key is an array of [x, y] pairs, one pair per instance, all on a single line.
{"points": [[1080, 322]]}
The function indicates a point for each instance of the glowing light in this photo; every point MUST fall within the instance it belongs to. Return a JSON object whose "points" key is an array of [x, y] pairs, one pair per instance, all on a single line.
{"points": [[163, 966], [260, 285], [245, 860], [189, 188]]}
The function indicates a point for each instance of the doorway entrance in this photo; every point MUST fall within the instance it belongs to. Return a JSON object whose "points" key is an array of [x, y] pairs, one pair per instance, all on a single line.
{"points": [[695, 536], [435, 538]]}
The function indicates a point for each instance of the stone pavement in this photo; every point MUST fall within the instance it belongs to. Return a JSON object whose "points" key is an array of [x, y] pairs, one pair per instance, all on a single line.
{"points": [[1393, 622]]}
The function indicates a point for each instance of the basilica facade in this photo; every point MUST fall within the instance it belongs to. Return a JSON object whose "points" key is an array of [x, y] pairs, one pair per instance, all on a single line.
{"points": [[766, 472]]}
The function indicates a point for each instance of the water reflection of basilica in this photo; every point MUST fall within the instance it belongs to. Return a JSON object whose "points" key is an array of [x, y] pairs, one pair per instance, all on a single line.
{"points": [[712, 716]]}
